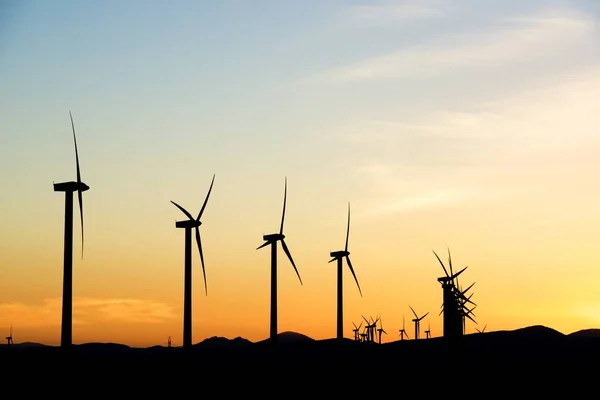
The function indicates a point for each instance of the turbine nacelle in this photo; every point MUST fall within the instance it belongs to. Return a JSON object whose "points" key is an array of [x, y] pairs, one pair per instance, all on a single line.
{"points": [[188, 224], [273, 237], [71, 187], [339, 254]]}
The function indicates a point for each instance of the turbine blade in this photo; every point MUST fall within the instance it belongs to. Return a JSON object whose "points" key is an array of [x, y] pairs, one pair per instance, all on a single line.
{"points": [[289, 255], [263, 245], [441, 263], [450, 261], [284, 201], [187, 214], [332, 260], [353, 274], [468, 316], [80, 200], [201, 258], [458, 273], [79, 193], [424, 316], [441, 312], [467, 289], [76, 153], [366, 320], [413, 311], [206, 200], [347, 229]]}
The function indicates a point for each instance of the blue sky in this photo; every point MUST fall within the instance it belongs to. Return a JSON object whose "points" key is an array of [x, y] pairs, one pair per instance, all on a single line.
{"points": [[479, 116]]}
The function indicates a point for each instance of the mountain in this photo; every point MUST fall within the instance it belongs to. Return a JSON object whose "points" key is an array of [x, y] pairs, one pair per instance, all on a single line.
{"points": [[218, 342], [586, 333]]}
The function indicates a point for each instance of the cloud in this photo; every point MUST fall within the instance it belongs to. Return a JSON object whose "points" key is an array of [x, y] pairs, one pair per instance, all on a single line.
{"points": [[376, 14], [512, 40], [536, 138], [86, 311]]}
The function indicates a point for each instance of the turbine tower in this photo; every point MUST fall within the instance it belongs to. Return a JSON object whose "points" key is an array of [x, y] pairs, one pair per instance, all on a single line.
{"points": [[9, 339], [272, 239], [403, 331], [188, 225], [66, 332], [417, 321], [339, 256]]}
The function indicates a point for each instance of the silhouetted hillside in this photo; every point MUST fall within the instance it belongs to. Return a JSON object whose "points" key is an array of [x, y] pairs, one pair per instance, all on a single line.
{"points": [[218, 342], [586, 333]]}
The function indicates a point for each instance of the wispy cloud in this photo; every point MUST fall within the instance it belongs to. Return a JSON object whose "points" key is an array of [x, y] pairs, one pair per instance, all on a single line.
{"points": [[534, 135], [392, 11], [511, 40], [86, 311]]}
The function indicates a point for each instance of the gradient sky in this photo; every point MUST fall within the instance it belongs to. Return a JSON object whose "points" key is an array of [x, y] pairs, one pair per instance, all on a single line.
{"points": [[472, 125]]}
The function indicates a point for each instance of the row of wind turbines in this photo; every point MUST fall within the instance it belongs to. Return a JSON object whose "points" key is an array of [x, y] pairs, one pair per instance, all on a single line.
{"points": [[368, 333], [191, 223]]}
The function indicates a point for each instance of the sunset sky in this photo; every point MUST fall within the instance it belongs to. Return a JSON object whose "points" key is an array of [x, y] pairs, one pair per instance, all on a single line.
{"points": [[467, 124]]}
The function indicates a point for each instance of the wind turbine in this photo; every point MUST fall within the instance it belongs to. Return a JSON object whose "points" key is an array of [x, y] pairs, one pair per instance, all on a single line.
{"points": [[482, 330], [355, 330], [381, 330], [339, 256], [428, 331], [272, 239], [188, 225], [66, 333], [417, 321], [9, 339], [403, 331]]}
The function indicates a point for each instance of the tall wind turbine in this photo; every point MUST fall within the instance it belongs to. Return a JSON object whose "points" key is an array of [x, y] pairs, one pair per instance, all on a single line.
{"points": [[272, 239], [339, 256], [66, 333], [188, 225], [417, 321], [403, 331]]}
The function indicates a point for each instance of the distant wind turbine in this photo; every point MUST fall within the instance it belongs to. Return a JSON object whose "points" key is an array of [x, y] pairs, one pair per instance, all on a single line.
{"points": [[339, 256], [380, 330], [417, 321], [403, 331], [272, 239], [188, 225], [66, 333], [9, 338]]}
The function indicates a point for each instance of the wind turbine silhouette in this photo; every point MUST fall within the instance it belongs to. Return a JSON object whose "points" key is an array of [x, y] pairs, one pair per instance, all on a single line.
{"points": [[482, 330], [403, 331], [339, 256], [188, 225], [428, 331], [9, 339], [355, 330], [417, 321], [66, 333], [272, 239], [380, 330]]}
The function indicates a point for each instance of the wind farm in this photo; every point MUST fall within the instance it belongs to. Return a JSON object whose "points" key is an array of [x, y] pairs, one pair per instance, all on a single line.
{"points": [[429, 164]]}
